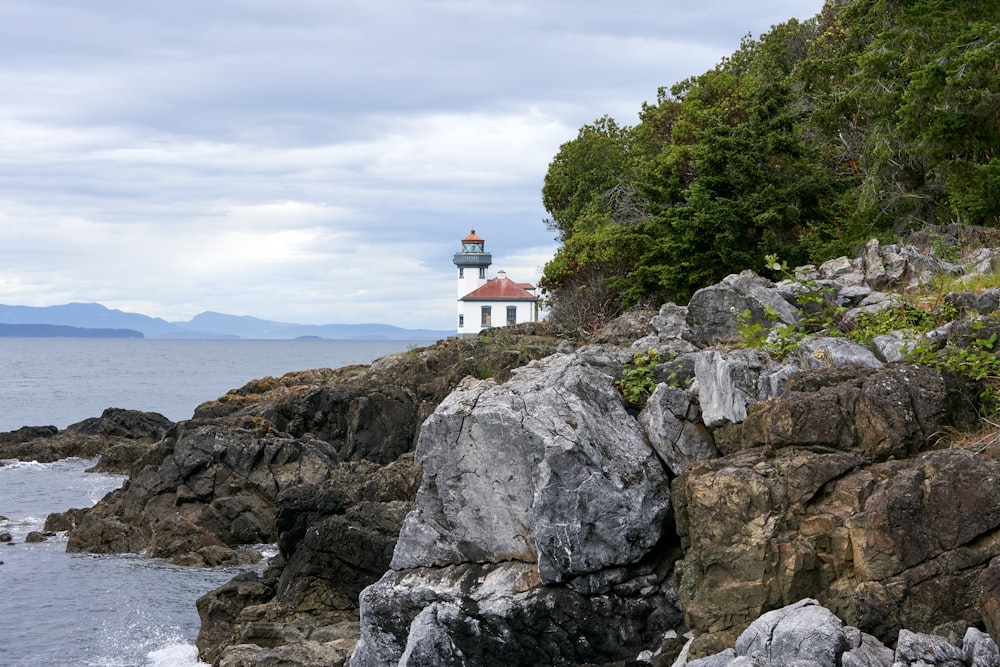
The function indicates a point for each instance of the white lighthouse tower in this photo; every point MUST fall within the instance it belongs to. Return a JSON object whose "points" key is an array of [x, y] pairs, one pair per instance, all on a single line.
{"points": [[472, 263]]}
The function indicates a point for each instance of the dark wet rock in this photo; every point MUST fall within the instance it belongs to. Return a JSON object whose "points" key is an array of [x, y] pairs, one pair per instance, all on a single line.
{"points": [[63, 521], [116, 432], [36, 536], [99, 535], [886, 413], [502, 615]]}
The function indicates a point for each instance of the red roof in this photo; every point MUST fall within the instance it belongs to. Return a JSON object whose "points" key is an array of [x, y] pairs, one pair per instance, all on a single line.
{"points": [[501, 289], [472, 238]]}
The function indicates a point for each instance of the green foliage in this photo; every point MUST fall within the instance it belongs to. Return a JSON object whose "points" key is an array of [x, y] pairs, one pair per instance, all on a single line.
{"points": [[975, 360], [866, 326], [872, 118], [638, 377], [777, 340]]}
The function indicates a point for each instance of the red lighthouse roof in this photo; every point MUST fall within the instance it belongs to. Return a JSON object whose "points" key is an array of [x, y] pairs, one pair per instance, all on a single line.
{"points": [[473, 238], [501, 289]]}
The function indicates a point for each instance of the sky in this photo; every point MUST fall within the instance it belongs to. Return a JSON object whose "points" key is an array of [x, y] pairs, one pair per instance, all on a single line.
{"points": [[312, 161]]}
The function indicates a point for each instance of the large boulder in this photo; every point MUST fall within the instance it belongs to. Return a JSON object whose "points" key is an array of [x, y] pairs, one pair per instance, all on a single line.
{"points": [[713, 313], [885, 413], [549, 468], [536, 536]]}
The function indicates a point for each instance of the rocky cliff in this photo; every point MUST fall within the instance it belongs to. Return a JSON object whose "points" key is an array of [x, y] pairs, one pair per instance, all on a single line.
{"points": [[773, 485]]}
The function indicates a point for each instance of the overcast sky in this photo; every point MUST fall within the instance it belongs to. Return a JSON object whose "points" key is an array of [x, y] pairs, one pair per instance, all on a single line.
{"points": [[311, 161]]}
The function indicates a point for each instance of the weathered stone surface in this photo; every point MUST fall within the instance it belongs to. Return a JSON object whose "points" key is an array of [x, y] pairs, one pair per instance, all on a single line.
{"points": [[671, 321], [827, 352], [914, 648], [879, 545], [303, 653], [890, 412], [979, 649], [799, 635], [116, 431], [749, 543], [864, 650], [627, 327], [729, 382], [713, 312], [219, 609], [502, 615], [672, 423], [800, 631], [548, 467], [99, 535]]}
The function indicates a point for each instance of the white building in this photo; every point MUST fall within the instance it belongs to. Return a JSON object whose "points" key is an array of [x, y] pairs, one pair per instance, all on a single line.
{"points": [[489, 302]]}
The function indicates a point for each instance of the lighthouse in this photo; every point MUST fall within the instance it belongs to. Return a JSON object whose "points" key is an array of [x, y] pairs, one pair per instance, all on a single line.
{"points": [[485, 302], [472, 262]]}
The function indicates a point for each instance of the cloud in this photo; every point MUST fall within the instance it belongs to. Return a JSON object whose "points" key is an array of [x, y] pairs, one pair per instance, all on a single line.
{"points": [[310, 161]]}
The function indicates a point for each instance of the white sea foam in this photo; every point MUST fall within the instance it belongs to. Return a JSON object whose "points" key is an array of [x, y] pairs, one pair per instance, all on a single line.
{"points": [[175, 655]]}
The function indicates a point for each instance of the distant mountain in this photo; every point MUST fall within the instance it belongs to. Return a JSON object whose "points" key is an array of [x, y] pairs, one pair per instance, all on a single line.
{"points": [[62, 331], [205, 325], [252, 327]]}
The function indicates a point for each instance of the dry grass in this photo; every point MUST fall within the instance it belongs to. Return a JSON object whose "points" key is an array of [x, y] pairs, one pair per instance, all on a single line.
{"points": [[978, 441]]}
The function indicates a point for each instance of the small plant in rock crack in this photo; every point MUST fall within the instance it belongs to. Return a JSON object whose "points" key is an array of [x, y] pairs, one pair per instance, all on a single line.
{"points": [[777, 340], [638, 377], [977, 361]]}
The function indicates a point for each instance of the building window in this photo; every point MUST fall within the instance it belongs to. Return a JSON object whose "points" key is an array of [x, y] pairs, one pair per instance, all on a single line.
{"points": [[461, 272], [487, 316], [511, 315], [461, 321], [482, 272]]}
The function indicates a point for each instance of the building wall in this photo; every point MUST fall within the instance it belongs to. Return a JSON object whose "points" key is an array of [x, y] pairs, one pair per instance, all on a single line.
{"points": [[470, 314]]}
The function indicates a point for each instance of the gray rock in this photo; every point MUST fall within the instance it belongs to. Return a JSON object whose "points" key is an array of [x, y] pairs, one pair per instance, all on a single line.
{"points": [[502, 615], [876, 276], [831, 352], [864, 650], [548, 468], [852, 296], [729, 382], [979, 649], [713, 312], [980, 261], [671, 321], [916, 648], [892, 347], [723, 659], [672, 422], [843, 271], [804, 631]]}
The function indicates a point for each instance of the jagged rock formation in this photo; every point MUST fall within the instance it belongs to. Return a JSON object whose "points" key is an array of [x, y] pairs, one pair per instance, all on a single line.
{"points": [[118, 436], [805, 633], [830, 486], [543, 519]]}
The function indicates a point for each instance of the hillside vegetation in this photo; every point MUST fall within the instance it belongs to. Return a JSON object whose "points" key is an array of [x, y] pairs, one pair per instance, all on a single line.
{"points": [[872, 119]]}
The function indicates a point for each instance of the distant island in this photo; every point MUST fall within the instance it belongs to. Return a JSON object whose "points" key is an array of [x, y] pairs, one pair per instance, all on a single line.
{"points": [[63, 331], [92, 320]]}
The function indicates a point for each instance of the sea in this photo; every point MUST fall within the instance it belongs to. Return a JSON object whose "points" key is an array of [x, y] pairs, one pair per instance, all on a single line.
{"points": [[115, 611]]}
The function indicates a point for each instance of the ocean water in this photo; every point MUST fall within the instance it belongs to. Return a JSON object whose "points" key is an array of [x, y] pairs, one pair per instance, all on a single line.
{"points": [[114, 611], [61, 381]]}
